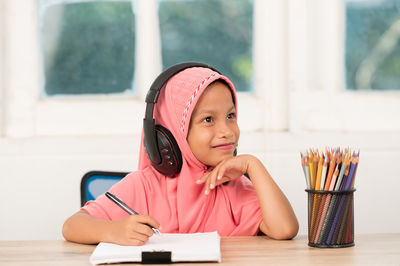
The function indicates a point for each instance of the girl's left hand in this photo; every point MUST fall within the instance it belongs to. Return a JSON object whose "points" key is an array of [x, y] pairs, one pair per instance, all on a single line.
{"points": [[226, 170]]}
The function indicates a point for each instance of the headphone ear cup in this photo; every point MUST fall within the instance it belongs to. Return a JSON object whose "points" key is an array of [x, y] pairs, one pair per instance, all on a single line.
{"points": [[171, 157]]}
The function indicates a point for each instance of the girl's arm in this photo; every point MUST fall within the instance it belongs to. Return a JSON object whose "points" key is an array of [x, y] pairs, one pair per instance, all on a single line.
{"points": [[279, 220], [132, 230]]}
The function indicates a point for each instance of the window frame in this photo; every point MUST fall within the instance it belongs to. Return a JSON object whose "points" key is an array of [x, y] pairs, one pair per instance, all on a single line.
{"points": [[294, 89], [318, 98], [2, 67], [30, 115], [26, 114]]}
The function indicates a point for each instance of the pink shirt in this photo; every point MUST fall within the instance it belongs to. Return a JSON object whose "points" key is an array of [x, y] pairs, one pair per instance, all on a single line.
{"points": [[234, 209]]}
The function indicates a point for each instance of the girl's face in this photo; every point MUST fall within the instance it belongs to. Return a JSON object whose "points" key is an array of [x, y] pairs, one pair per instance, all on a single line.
{"points": [[213, 131]]}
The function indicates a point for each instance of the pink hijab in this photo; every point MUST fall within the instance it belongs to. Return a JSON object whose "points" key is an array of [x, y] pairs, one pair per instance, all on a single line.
{"points": [[178, 203]]}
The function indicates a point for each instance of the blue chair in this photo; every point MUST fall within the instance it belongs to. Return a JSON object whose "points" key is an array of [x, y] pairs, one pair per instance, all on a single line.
{"points": [[95, 183]]}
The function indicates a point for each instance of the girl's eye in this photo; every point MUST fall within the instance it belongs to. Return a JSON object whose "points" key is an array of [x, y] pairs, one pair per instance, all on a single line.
{"points": [[208, 119], [231, 116]]}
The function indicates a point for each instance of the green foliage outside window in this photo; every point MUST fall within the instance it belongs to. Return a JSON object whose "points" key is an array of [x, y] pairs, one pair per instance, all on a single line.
{"points": [[88, 48], [216, 32], [373, 45]]}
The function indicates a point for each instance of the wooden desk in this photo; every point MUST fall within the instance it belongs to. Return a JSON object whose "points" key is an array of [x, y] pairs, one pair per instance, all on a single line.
{"points": [[382, 249]]}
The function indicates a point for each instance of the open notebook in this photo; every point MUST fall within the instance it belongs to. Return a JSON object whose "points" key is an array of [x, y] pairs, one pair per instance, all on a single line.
{"points": [[162, 248]]}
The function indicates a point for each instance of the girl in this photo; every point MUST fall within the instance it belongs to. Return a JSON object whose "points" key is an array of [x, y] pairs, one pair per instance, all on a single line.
{"points": [[198, 106]]}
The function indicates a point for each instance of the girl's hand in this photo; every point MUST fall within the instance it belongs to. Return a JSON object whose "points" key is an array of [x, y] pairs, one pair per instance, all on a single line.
{"points": [[133, 230], [226, 170]]}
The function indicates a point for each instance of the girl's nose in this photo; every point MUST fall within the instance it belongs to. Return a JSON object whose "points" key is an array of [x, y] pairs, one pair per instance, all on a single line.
{"points": [[225, 131]]}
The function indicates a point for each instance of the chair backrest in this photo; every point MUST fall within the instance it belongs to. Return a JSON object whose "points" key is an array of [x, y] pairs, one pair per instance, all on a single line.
{"points": [[95, 183]]}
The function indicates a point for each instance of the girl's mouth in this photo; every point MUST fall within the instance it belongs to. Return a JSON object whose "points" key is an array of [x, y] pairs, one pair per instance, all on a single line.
{"points": [[224, 147]]}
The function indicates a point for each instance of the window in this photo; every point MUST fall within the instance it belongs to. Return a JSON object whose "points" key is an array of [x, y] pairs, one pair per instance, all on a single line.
{"points": [[217, 32], [50, 101], [294, 55], [319, 71], [372, 45], [87, 47]]}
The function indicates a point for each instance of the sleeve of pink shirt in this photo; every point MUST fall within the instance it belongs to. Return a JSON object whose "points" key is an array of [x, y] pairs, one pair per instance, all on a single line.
{"points": [[245, 207], [131, 190]]}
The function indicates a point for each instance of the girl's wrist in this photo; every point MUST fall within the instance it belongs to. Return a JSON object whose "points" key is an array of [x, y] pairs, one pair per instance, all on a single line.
{"points": [[107, 232], [248, 162], [255, 167]]}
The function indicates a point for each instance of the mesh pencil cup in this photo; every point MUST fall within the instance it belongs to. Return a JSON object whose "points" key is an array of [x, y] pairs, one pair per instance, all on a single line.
{"points": [[330, 218]]}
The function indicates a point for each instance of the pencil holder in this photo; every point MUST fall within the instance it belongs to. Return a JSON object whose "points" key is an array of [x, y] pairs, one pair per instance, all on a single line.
{"points": [[330, 218]]}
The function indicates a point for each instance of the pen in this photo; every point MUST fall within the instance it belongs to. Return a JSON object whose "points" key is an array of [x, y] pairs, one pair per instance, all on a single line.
{"points": [[126, 208]]}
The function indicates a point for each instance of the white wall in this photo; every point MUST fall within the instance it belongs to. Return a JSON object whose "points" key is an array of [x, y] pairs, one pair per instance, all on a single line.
{"points": [[46, 146], [40, 176]]}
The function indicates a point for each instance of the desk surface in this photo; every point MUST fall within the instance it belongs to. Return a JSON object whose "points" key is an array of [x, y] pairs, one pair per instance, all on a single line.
{"points": [[379, 249]]}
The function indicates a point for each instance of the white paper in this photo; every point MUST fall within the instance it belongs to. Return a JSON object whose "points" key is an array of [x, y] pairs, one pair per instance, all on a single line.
{"points": [[183, 247]]}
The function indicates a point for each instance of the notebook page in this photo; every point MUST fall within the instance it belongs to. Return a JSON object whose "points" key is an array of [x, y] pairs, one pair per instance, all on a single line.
{"points": [[189, 247], [183, 247]]}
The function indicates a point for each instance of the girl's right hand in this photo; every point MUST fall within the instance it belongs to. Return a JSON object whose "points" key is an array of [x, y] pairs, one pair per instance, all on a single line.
{"points": [[133, 230]]}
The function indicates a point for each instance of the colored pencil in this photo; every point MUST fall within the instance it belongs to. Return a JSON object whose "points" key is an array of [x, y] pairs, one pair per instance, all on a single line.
{"points": [[311, 166], [332, 165], [341, 173], [323, 174], [319, 172], [315, 167]]}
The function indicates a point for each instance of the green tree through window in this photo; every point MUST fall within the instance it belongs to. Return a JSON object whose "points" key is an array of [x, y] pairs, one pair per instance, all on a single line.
{"points": [[373, 45], [216, 32], [88, 47]]}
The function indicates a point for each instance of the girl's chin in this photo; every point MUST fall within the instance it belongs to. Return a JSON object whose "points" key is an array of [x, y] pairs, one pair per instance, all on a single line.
{"points": [[214, 163]]}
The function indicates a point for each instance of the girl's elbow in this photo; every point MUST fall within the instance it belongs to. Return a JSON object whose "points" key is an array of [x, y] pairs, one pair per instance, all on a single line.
{"points": [[65, 230], [68, 228], [284, 232], [289, 232], [290, 229]]}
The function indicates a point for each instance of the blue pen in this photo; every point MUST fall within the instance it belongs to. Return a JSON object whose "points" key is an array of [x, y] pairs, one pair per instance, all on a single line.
{"points": [[126, 208]]}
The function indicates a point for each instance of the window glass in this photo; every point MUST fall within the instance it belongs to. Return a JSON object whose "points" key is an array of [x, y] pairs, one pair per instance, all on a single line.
{"points": [[87, 47], [216, 32], [372, 44]]}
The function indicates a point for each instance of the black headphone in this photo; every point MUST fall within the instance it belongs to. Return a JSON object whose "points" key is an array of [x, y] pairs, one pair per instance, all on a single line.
{"points": [[161, 147]]}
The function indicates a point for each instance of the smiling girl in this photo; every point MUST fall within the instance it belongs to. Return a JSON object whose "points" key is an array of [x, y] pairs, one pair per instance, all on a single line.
{"points": [[210, 192]]}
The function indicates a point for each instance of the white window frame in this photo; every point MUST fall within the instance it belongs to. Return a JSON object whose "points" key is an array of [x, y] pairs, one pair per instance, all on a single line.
{"points": [[2, 67], [271, 64], [26, 114], [29, 115], [298, 62], [318, 100]]}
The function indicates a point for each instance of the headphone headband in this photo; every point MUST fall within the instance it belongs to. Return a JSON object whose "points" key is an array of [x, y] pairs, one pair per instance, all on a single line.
{"points": [[159, 82]]}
